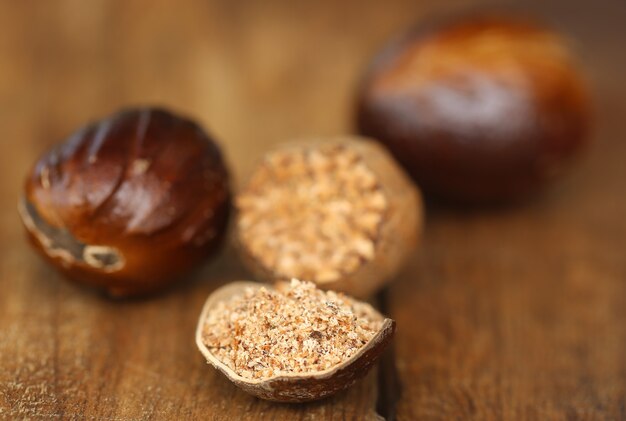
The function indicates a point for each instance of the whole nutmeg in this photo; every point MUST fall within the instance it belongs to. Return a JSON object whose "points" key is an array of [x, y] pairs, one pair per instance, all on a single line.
{"points": [[129, 203], [482, 109], [338, 212]]}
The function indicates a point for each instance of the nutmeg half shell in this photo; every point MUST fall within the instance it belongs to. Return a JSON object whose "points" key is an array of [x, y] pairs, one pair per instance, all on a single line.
{"points": [[339, 212], [129, 203], [481, 109], [296, 387]]}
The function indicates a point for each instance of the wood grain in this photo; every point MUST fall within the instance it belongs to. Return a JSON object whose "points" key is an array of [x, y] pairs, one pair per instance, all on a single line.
{"points": [[515, 313]]}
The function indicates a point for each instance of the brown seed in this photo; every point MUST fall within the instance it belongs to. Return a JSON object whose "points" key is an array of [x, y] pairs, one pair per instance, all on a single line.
{"points": [[477, 110], [129, 203], [291, 342], [338, 212]]}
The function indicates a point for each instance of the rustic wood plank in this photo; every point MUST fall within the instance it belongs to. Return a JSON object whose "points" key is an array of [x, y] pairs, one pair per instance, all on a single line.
{"points": [[526, 323], [504, 314]]}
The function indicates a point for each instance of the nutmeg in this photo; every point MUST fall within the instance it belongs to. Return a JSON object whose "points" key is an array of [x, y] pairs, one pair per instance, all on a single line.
{"points": [[129, 203], [478, 110], [290, 342], [338, 212]]}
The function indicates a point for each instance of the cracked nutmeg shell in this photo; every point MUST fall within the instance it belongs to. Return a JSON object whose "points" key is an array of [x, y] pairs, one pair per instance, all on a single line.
{"points": [[339, 212], [130, 203], [485, 109], [293, 386]]}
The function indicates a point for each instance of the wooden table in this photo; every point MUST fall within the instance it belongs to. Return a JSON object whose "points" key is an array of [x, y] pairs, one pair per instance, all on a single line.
{"points": [[515, 313]]}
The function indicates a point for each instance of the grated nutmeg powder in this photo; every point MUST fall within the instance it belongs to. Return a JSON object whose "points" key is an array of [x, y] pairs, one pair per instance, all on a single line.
{"points": [[313, 213], [295, 328]]}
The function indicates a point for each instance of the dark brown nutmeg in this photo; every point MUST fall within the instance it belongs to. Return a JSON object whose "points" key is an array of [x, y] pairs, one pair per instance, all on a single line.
{"points": [[129, 203], [479, 110]]}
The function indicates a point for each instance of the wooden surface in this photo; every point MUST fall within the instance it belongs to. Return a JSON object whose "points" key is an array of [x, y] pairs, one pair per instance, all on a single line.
{"points": [[516, 313]]}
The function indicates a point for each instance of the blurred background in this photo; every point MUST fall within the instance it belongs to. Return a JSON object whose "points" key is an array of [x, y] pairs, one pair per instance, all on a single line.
{"points": [[251, 72], [503, 314]]}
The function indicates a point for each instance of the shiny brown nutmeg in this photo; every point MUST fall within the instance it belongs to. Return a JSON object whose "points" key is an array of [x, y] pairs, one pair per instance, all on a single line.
{"points": [[339, 212], [290, 342], [479, 110], [130, 203]]}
